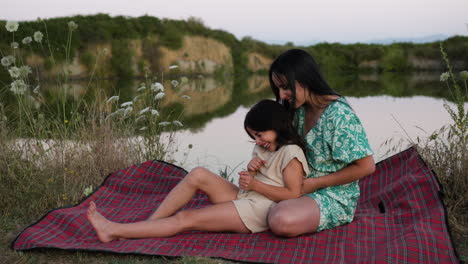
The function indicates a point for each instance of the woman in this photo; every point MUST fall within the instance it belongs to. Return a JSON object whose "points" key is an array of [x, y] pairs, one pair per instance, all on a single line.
{"points": [[338, 151]]}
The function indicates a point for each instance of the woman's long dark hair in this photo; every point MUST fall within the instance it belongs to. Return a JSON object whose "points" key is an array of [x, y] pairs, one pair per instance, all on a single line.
{"points": [[270, 115], [298, 65]]}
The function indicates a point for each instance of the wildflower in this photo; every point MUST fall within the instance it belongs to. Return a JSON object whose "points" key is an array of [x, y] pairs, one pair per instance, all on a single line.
{"points": [[18, 87], [183, 79], [186, 97], [111, 99], [156, 87], [129, 103], [154, 112], [119, 111], [12, 26], [88, 190], [6, 61], [110, 115], [66, 121], [173, 67], [140, 118], [145, 110], [464, 75], [127, 111], [143, 128], [36, 90], [159, 96], [177, 123], [164, 123], [142, 88], [14, 72], [27, 40], [72, 25], [25, 71], [174, 83], [38, 36], [14, 45], [444, 76], [136, 98]]}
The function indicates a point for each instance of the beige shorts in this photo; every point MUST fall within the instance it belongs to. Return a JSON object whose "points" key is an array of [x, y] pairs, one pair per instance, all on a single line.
{"points": [[253, 210]]}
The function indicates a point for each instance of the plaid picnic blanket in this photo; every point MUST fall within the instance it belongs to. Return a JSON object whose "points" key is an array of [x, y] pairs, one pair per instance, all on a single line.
{"points": [[400, 219]]}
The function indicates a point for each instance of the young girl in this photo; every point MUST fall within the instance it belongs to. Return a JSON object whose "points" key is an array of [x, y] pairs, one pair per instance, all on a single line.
{"points": [[241, 210]]}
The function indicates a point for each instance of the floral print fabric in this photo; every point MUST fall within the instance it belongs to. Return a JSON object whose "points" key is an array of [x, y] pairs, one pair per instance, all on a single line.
{"points": [[336, 140]]}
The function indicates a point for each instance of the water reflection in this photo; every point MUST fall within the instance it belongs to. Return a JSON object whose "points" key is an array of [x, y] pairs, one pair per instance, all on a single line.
{"points": [[213, 116]]}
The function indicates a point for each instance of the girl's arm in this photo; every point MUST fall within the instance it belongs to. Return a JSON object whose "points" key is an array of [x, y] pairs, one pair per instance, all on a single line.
{"points": [[353, 172], [293, 176]]}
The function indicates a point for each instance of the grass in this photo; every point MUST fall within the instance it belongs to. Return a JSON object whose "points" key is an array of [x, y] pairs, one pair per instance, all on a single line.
{"points": [[50, 156], [55, 154], [446, 153]]}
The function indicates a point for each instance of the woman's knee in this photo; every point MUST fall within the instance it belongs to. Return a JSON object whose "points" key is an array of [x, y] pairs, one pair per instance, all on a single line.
{"points": [[282, 223]]}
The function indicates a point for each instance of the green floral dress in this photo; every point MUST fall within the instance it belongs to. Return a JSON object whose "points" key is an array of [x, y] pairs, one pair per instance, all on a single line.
{"points": [[336, 140]]}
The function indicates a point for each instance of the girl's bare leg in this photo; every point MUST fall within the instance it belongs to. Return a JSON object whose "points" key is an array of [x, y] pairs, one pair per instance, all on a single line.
{"points": [[218, 189], [218, 217]]}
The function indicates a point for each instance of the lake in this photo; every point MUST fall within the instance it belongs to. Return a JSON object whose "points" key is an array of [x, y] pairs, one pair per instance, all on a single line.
{"points": [[395, 107]]}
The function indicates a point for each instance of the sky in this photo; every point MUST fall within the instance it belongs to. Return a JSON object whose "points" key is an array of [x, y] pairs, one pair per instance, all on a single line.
{"points": [[298, 21]]}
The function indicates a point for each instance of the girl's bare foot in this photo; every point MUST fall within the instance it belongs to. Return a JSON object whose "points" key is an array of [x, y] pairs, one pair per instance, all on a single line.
{"points": [[100, 224]]}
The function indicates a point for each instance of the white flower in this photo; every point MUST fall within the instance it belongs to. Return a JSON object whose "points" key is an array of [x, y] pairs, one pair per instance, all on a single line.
{"points": [[72, 25], [6, 61], [177, 123], [145, 110], [119, 111], [136, 98], [14, 45], [173, 67], [127, 111], [464, 75], [159, 96], [183, 79], [154, 112], [18, 87], [141, 89], [164, 123], [444, 76], [14, 72], [36, 90], [25, 71], [186, 97], [38, 36], [174, 83], [27, 40], [143, 128], [111, 99], [88, 190], [156, 87], [129, 103], [140, 118], [12, 26]]}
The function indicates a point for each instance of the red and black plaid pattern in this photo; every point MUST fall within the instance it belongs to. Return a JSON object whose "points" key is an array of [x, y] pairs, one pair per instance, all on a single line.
{"points": [[400, 219]]}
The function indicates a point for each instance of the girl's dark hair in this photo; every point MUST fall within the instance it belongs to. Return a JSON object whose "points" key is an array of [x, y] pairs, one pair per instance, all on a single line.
{"points": [[298, 65], [270, 115]]}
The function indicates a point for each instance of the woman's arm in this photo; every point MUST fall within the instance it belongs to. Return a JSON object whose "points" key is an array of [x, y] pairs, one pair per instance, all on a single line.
{"points": [[353, 172], [293, 176]]}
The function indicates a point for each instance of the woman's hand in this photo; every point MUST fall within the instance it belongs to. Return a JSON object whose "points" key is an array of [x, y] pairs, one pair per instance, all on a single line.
{"points": [[246, 181], [310, 185], [255, 164]]}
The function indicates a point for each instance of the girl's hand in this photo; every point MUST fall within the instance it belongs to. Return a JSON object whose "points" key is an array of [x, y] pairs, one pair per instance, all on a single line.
{"points": [[246, 181], [255, 164]]}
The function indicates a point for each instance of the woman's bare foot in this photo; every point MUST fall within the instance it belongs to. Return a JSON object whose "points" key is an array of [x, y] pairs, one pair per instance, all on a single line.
{"points": [[100, 223]]}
